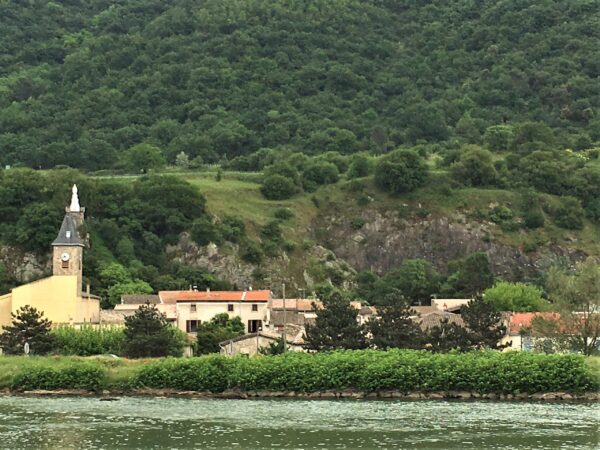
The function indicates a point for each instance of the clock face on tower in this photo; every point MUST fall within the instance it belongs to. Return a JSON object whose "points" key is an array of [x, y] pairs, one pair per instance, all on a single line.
{"points": [[65, 256]]}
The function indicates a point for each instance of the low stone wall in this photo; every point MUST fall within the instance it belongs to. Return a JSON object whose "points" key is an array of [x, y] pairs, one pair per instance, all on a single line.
{"points": [[325, 395]]}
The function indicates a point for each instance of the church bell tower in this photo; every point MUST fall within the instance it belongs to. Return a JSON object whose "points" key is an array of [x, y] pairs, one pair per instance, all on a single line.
{"points": [[67, 255]]}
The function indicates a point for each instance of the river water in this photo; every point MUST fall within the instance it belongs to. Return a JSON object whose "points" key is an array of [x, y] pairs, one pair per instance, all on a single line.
{"points": [[147, 423]]}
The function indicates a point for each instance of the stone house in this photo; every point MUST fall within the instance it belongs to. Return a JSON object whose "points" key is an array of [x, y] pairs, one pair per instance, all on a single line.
{"points": [[295, 311], [250, 344]]}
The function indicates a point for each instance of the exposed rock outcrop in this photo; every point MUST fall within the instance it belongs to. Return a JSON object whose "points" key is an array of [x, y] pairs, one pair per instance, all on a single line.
{"points": [[386, 239], [317, 264], [23, 266]]}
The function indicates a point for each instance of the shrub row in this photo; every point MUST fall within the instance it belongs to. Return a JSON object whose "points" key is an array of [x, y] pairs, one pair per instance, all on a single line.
{"points": [[88, 340], [72, 376], [369, 371]]}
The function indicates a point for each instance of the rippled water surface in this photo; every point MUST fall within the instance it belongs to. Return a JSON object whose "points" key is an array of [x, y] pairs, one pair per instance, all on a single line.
{"points": [[145, 423]]}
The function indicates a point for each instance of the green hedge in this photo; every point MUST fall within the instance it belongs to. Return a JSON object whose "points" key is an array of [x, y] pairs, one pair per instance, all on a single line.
{"points": [[72, 376], [369, 371], [365, 371]]}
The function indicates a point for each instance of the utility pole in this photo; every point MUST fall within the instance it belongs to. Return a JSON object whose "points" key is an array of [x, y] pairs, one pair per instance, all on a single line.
{"points": [[284, 320]]}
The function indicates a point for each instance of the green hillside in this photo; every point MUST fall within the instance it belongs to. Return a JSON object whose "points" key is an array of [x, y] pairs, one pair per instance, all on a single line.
{"points": [[229, 143], [81, 81]]}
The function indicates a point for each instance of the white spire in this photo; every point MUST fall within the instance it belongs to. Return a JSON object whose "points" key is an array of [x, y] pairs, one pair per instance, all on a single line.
{"points": [[75, 201]]}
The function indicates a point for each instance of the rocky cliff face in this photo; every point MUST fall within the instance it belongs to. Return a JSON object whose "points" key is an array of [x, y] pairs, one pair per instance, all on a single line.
{"points": [[385, 240], [299, 271], [23, 266], [380, 245]]}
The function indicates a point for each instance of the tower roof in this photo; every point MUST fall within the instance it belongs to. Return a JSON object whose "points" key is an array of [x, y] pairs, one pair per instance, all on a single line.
{"points": [[68, 234]]}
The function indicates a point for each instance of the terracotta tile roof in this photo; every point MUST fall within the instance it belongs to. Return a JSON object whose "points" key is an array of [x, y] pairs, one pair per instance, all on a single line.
{"points": [[518, 321], [424, 309], [139, 299], [298, 304], [214, 296], [435, 318]]}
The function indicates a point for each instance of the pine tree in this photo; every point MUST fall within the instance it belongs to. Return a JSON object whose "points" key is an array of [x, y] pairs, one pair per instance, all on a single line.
{"points": [[336, 326], [28, 326], [394, 328], [147, 334], [484, 324], [447, 336]]}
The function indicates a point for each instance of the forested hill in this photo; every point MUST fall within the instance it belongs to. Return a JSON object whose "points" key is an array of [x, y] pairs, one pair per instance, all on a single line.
{"points": [[81, 81]]}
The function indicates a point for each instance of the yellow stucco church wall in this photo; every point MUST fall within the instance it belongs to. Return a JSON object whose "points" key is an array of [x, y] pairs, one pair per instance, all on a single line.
{"points": [[5, 310], [57, 297]]}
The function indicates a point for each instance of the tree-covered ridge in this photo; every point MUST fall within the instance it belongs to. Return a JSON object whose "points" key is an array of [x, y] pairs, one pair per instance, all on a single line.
{"points": [[82, 81]]}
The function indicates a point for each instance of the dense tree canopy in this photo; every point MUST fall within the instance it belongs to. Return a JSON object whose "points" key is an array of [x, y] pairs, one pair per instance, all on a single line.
{"points": [[81, 82]]}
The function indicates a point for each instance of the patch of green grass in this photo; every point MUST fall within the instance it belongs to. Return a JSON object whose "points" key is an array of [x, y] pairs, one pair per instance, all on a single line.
{"points": [[242, 199], [118, 371]]}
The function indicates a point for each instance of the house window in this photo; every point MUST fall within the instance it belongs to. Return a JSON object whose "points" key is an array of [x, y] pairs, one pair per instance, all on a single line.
{"points": [[65, 264], [193, 307], [254, 307], [191, 326], [230, 308]]}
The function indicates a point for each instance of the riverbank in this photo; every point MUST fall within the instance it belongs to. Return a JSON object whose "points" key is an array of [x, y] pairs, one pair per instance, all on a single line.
{"points": [[401, 374], [111, 395]]}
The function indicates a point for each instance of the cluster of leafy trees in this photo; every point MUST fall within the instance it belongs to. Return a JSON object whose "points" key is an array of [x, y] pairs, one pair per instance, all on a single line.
{"points": [[85, 84], [129, 224], [336, 327], [539, 167], [575, 295], [417, 280], [286, 174], [220, 328]]}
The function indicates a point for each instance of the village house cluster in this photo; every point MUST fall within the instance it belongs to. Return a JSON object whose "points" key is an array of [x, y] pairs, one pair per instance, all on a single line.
{"points": [[266, 319]]}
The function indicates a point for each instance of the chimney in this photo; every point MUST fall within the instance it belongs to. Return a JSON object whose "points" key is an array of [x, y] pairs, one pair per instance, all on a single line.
{"points": [[207, 289]]}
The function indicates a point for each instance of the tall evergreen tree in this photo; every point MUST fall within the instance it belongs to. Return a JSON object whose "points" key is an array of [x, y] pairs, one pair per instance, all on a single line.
{"points": [[28, 326], [472, 275], [147, 334], [394, 328], [484, 324], [447, 336], [336, 326]]}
